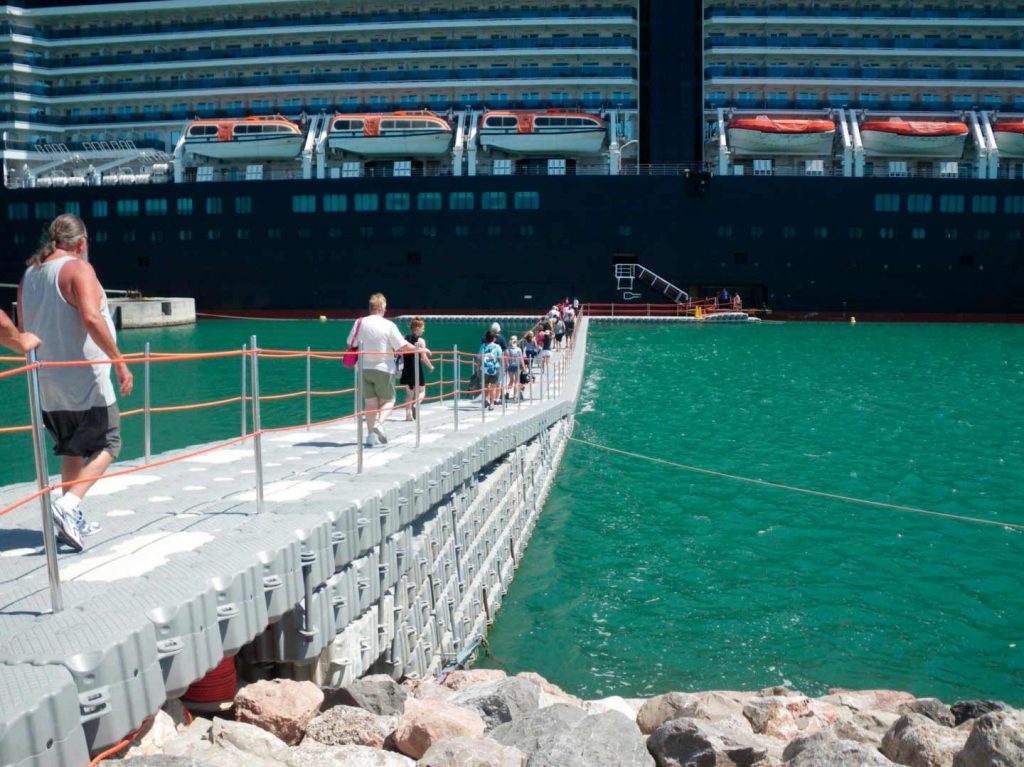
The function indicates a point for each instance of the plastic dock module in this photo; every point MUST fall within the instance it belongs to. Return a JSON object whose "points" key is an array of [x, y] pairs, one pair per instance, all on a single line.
{"points": [[394, 568]]}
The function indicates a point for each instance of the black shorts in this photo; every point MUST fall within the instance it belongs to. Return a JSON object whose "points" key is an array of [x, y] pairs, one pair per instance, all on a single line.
{"points": [[85, 433], [491, 379], [559, 336], [524, 377]]}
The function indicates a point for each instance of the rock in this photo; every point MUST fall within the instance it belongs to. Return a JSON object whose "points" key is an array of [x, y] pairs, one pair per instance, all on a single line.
{"points": [[788, 716], [156, 760], [686, 742], [822, 749], [351, 726], [194, 739], [232, 743], [424, 724], [472, 752], [314, 754], [997, 740], [917, 741], [867, 700], [598, 739], [427, 689], [850, 730], [280, 706], [161, 730], [662, 708], [547, 687], [459, 680], [530, 732], [500, 701], [875, 722], [627, 708], [933, 708], [378, 694], [972, 709]]}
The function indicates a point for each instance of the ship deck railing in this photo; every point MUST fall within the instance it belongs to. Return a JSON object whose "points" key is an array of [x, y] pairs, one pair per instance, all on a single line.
{"points": [[909, 11]]}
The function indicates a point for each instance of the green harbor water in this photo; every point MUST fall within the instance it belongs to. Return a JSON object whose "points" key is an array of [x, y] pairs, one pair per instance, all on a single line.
{"points": [[642, 578]]}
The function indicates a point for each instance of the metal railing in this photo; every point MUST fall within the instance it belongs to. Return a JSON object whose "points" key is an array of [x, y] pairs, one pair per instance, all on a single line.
{"points": [[552, 375]]}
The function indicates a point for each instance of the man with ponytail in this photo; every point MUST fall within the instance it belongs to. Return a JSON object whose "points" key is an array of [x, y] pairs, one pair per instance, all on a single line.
{"points": [[61, 301]]}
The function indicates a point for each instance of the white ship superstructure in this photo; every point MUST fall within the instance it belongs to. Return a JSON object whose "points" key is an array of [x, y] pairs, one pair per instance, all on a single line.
{"points": [[111, 89], [913, 89]]}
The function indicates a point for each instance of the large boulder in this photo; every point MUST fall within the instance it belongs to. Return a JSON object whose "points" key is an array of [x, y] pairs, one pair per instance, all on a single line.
{"points": [[351, 726], [686, 742], [156, 760], [152, 739], [629, 708], [314, 754], [663, 708], [471, 752], [500, 701], [933, 708], [788, 716], [378, 694], [530, 732], [279, 706], [240, 743], [997, 740], [917, 741], [822, 749], [459, 679], [425, 723], [867, 700], [548, 688], [427, 689], [965, 710]]}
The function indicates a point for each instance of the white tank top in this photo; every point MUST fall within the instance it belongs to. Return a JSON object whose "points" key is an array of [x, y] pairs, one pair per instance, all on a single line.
{"points": [[59, 326]]}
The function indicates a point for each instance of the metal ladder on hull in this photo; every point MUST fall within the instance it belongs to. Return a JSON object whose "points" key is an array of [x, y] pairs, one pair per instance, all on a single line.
{"points": [[627, 274]]}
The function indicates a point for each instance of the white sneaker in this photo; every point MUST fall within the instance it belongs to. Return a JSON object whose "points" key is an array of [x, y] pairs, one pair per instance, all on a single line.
{"points": [[65, 527], [85, 528], [371, 440], [381, 434]]}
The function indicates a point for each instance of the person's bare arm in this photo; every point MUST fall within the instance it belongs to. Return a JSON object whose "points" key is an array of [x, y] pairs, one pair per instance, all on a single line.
{"points": [[13, 339], [86, 296], [425, 354]]}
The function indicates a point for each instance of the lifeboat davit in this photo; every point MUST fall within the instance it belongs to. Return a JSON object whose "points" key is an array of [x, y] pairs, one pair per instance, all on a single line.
{"points": [[403, 134], [249, 138], [1010, 138], [901, 138], [553, 132], [763, 135]]}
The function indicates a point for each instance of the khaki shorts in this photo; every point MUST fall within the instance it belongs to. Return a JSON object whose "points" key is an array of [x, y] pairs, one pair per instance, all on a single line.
{"points": [[85, 433], [378, 385]]}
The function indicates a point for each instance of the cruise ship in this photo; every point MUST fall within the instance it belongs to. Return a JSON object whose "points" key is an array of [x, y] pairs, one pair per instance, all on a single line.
{"points": [[819, 158]]}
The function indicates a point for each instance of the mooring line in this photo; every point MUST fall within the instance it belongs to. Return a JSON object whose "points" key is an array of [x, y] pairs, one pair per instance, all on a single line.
{"points": [[803, 490]]}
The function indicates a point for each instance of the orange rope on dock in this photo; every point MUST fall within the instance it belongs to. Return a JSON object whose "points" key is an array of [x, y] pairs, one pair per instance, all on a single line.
{"points": [[14, 429]]}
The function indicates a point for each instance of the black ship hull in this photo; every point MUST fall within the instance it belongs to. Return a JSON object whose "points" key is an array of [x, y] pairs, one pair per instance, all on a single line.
{"points": [[797, 245]]}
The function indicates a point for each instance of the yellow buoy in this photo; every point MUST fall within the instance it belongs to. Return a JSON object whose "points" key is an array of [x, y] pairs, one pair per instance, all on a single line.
{"points": [[323, 318], [853, 320]]}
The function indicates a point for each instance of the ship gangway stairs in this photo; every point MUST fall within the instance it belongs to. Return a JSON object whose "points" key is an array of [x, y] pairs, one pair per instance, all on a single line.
{"points": [[626, 276]]}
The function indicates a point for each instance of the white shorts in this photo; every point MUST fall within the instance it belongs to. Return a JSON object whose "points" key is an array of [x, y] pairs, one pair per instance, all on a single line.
{"points": [[545, 353]]}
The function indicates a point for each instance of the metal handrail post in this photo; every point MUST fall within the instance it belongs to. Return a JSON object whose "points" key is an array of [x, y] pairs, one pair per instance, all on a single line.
{"points": [[417, 414], [309, 387], [504, 382], [146, 425], [483, 388], [458, 385], [440, 366], [42, 479], [245, 349], [530, 381], [359, 408], [257, 441]]}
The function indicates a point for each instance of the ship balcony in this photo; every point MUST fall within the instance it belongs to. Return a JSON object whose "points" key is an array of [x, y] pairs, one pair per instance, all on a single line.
{"points": [[896, 105], [531, 76], [909, 12], [62, 65], [851, 75], [746, 45], [394, 22]]}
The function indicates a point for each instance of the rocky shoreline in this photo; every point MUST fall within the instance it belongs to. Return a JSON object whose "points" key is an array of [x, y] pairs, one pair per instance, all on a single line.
{"points": [[483, 718]]}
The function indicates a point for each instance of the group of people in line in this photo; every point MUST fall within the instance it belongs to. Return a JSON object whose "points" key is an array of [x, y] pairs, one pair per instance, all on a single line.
{"points": [[63, 315], [502, 368]]}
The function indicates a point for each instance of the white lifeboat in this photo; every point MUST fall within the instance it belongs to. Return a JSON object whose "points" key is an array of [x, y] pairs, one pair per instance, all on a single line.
{"points": [[250, 138], [763, 135], [402, 134], [552, 132], [1010, 138], [900, 138]]}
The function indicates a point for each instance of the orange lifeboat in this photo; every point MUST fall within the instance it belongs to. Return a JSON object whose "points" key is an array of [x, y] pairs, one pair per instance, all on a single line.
{"points": [[250, 138], [763, 135], [401, 134], [552, 132], [1010, 138], [903, 138]]}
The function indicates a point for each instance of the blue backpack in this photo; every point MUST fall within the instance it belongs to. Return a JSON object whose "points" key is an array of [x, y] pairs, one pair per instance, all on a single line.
{"points": [[489, 361]]}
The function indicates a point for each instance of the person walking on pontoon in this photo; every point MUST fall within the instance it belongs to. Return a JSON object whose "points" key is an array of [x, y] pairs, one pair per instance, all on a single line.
{"points": [[422, 358], [61, 301], [14, 339], [380, 340]]}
